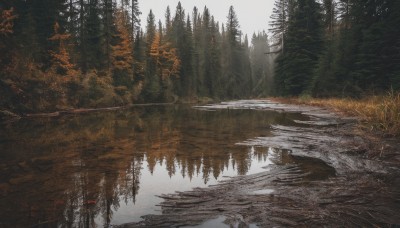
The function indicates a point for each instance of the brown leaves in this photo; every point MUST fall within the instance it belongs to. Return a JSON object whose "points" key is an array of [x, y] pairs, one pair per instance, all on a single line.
{"points": [[7, 21], [166, 57], [122, 56], [60, 59]]}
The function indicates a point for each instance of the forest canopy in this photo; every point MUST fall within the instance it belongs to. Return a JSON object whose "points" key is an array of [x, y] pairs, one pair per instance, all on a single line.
{"points": [[343, 48], [61, 54]]}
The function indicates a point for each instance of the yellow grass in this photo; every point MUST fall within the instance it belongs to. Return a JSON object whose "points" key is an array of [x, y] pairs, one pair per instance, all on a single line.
{"points": [[375, 112]]}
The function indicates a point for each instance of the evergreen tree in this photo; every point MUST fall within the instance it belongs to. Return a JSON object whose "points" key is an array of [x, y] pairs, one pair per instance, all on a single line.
{"points": [[108, 20], [295, 66], [205, 77], [186, 58], [324, 82], [260, 65], [237, 84], [135, 14], [122, 56], [152, 84], [215, 60], [168, 22], [196, 50], [282, 11], [139, 63], [376, 66], [178, 39], [93, 37]]}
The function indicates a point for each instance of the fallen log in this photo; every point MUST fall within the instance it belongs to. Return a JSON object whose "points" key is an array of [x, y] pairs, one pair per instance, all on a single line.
{"points": [[88, 110]]}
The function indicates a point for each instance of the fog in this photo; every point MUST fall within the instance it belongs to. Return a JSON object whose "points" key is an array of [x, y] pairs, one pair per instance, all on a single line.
{"points": [[253, 15]]}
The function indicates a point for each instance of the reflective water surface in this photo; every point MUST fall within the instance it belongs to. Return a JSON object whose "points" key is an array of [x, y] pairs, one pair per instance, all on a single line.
{"points": [[107, 168]]}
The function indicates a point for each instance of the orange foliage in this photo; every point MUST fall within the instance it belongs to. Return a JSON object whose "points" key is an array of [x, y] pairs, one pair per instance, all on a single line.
{"points": [[61, 59], [166, 57], [122, 56], [7, 21]]}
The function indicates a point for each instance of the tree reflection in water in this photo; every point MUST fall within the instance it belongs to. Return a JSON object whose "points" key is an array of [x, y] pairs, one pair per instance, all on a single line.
{"points": [[81, 170]]}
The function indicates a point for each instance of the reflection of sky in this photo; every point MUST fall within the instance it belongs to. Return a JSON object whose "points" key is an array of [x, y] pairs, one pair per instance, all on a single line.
{"points": [[160, 183], [84, 166]]}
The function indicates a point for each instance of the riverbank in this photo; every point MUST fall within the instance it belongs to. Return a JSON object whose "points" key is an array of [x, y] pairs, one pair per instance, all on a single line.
{"points": [[362, 192], [379, 114]]}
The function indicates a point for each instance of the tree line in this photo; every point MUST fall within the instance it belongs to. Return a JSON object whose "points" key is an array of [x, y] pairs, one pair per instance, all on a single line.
{"points": [[336, 47], [61, 54]]}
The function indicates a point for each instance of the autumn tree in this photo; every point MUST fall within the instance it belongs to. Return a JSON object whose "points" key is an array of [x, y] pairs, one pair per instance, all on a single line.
{"points": [[167, 62], [61, 61], [166, 58], [56, 84], [7, 18]]}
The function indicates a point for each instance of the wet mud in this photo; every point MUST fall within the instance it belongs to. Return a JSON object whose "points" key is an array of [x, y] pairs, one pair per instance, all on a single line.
{"points": [[323, 173]]}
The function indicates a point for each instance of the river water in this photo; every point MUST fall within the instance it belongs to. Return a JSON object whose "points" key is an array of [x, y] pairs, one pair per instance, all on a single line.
{"points": [[107, 168]]}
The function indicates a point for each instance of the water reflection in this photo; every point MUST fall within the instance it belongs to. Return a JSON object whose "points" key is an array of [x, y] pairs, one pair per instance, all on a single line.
{"points": [[105, 168]]}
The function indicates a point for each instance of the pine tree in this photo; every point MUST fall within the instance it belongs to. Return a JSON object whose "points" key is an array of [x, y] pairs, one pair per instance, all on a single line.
{"points": [[122, 56], [108, 22], [237, 83], [296, 64], [215, 60], [205, 78], [282, 11], [324, 81], [196, 50], [152, 84], [232, 27], [93, 37], [260, 65], [135, 17], [168, 22], [178, 39], [187, 61], [376, 65]]}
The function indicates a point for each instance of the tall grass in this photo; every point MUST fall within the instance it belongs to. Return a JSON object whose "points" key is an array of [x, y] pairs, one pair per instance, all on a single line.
{"points": [[375, 112]]}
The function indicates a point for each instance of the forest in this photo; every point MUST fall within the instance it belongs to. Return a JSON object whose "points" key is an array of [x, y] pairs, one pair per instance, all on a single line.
{"points": [[65, 54], [111, 117]]}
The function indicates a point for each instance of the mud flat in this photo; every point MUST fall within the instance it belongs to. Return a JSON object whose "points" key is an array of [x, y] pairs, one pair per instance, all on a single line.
{"points": [[324, 174]]}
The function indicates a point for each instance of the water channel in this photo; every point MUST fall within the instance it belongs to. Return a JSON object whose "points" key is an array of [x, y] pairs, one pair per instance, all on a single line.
{"points": [[107, 168]]}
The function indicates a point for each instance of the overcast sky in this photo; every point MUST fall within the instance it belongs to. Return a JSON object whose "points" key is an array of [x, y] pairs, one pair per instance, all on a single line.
{"points": [[253, 15]]}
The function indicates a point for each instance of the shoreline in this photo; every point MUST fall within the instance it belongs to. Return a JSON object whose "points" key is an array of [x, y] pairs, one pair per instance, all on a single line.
{"points": [[361, 184]]}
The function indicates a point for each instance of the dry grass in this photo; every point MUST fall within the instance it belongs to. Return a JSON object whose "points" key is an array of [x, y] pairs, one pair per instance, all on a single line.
{"points": [[375, 112]]}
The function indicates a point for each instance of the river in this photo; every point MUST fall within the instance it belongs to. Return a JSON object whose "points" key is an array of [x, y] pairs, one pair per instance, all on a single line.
{"points": [[108, 168]]}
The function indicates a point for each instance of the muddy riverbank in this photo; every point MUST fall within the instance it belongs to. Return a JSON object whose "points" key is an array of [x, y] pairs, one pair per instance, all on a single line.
{"points": [[324, 174]]}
